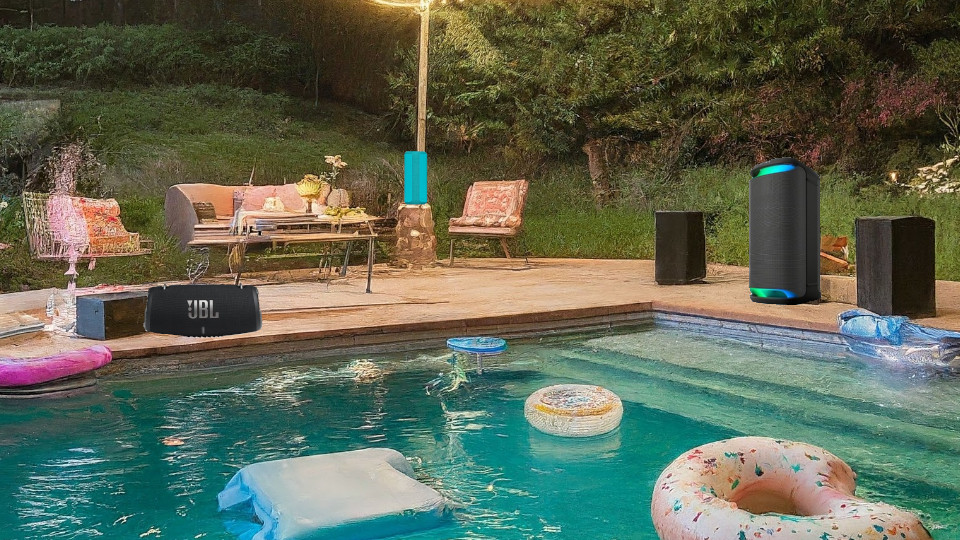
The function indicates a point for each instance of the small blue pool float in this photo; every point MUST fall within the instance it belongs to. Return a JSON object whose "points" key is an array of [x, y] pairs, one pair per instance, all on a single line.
{"points": [[478, 345]]}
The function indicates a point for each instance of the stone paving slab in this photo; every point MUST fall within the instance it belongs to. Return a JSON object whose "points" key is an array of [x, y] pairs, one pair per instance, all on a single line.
{"points": [[476, 296]]}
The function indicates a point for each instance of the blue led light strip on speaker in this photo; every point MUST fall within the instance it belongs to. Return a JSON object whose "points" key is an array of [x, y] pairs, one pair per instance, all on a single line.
{"points": [[773, 169]]}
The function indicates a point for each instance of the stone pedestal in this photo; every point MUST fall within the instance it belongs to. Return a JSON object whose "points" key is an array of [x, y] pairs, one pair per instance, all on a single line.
{"points": [[416, 241]]}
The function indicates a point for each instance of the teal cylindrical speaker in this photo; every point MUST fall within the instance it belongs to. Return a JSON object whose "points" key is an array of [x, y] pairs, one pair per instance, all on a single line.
{"points": [[784, 233], [415, 178]]}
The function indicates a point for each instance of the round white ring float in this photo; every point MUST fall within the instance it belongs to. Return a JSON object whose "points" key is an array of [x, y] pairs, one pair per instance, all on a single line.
{"points": [[756, 487], [574, 410]]}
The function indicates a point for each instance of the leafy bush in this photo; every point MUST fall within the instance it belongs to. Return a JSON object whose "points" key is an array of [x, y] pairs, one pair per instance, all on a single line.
{"points": [[25, 127], [111, 56]]}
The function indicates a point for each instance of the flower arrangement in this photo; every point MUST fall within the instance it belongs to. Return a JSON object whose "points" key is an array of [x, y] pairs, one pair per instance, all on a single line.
{"points": [[313, 187], [310, 187], [336, 164]]}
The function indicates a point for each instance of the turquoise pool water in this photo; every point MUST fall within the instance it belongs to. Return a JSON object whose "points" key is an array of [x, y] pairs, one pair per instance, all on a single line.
{"points": [[95, 466]]}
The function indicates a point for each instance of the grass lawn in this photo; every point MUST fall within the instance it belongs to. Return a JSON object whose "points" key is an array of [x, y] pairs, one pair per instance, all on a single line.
{"points": [[156, 137]]}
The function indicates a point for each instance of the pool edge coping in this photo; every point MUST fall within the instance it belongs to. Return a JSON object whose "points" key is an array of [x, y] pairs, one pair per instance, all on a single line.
{"points": [[245, 350]]}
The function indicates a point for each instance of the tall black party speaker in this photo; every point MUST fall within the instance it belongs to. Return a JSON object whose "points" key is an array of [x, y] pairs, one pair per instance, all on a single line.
{"points": [[784, 233]]}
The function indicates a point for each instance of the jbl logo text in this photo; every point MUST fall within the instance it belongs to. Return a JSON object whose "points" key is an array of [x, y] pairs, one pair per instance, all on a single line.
{"points": [[201, 309]]}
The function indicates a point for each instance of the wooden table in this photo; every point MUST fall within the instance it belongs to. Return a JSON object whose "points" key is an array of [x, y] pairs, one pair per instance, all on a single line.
{"points": [[299, 229], [258, 222], [291, 228]]}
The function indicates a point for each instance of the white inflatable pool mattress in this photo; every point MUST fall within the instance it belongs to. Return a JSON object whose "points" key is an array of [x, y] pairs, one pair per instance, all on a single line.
{"points": [[356, 495]]}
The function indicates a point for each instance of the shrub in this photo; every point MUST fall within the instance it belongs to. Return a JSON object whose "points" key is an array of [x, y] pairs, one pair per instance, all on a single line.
{"points": [[111, 56]]}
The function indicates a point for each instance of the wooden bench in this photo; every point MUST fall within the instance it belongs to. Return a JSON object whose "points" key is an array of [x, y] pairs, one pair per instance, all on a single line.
{"points": [[180, 215]]}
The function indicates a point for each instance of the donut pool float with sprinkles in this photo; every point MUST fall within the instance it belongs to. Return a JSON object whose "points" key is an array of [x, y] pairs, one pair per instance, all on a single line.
{"points": [[574, 410], [760, 488]]}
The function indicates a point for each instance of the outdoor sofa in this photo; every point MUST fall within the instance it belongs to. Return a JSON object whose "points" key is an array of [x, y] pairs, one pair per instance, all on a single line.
{"points": [[185, 202]]}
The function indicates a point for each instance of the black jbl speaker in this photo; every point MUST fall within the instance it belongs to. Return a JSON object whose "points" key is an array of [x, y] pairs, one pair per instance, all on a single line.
{"points": [[681, 253], [784, 233], [202, 310], [896, 265]]}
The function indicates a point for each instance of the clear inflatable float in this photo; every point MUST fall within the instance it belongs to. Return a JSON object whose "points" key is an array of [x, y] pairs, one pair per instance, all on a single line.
{"points": [[898, 341]]}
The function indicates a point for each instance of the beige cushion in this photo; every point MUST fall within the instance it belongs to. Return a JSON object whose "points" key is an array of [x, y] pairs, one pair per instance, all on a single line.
{"points": [[483, 231], [220, 196], [253, 198]]}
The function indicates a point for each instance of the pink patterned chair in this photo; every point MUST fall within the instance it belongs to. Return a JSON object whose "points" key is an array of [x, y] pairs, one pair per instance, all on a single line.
{"points": [[493, 209], [63, 227]]}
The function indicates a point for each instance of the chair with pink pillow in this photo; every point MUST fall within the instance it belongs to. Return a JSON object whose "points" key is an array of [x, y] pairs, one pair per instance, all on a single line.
{"points": [[492, 209]]}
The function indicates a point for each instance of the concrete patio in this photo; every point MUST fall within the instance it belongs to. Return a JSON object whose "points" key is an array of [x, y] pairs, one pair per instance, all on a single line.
{"points": [[419, 308]]}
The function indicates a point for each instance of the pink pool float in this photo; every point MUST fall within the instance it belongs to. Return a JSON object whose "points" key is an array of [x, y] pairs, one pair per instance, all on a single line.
{"points": [[757, 487], [26, 372]]}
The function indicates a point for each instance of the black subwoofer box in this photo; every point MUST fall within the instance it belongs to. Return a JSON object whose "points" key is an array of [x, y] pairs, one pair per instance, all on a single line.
{"points": [[896, 265], [111, 315], [681, 254], [202, 310], [784, 233]]}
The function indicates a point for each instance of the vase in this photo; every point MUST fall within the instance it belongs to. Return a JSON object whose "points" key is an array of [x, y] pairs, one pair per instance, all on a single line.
{"points": [[339, 198]]}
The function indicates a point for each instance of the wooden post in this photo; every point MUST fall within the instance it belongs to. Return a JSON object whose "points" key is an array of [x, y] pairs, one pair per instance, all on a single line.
{"points": [[422, 77]]}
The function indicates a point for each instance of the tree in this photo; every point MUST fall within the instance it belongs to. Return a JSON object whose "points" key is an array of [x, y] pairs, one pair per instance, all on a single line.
{"points": [[679, 83]]}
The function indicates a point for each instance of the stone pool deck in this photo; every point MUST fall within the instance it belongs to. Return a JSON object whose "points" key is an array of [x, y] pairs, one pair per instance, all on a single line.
{"points": [[420, 308]]}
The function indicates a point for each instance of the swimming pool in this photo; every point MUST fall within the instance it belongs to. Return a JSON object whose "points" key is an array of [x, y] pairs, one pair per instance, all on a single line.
{"points": [[97, 466]]}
